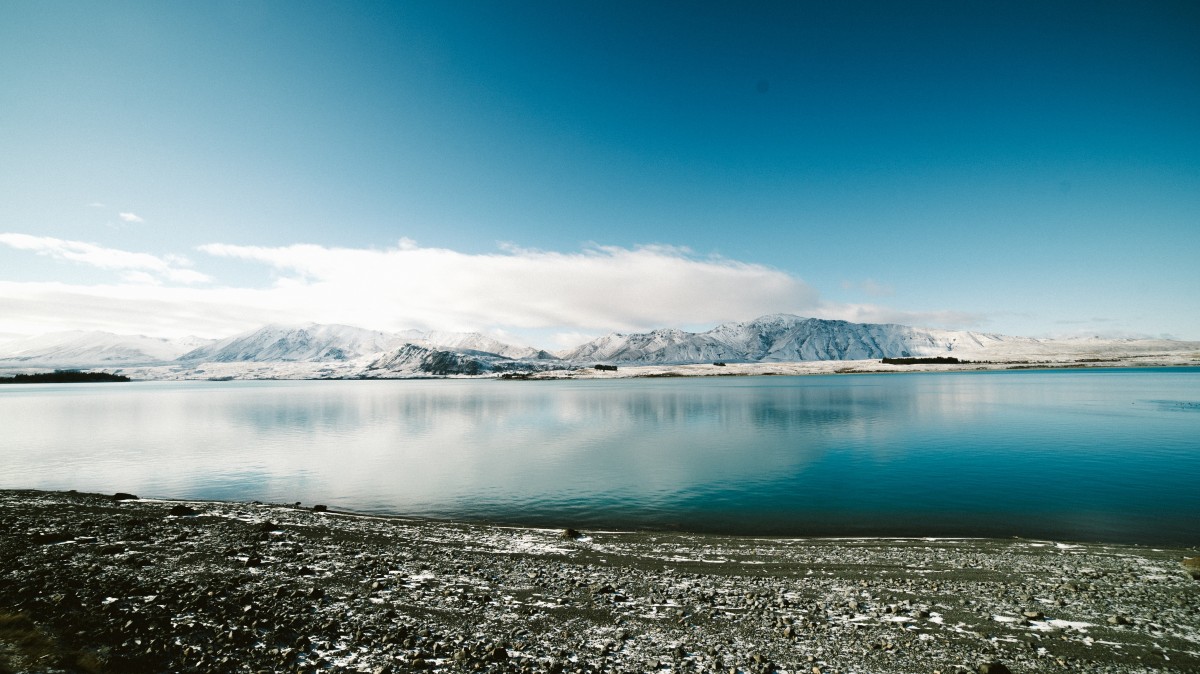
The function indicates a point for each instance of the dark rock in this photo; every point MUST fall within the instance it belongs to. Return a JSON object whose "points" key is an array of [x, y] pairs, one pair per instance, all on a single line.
{"points": [[51, 537], [320, 508], [122, 496], [571, 533], [183, 511], [994, 668]]}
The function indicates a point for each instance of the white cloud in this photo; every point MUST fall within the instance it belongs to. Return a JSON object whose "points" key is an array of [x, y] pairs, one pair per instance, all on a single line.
{"points": [[102, 258], [140, 277], [545, 299], [602, 288], [30, 308], [130, 217], [520, 291], [568, 340]]}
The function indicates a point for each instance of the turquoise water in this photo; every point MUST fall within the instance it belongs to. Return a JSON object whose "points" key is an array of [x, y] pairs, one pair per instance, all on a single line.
{"points": [[1110, 455]]}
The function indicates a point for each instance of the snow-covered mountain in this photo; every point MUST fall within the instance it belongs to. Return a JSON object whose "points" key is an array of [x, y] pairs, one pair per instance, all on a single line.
{"points": [[341, 351], [93, 348], [280, 343], [474, 341], [324, 343], [416, 358], [786, 338], [351, 350]]}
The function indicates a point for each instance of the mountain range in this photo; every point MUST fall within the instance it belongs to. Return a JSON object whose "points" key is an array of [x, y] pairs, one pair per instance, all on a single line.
{"points": [[317, 350], [781, 338]]}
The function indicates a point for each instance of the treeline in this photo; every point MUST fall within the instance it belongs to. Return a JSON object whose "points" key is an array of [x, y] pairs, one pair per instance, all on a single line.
{"points": [[63, 377], [938, 360]]}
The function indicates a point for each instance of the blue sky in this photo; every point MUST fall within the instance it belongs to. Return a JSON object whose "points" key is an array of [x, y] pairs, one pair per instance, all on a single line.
{"points": [[551, 171]]}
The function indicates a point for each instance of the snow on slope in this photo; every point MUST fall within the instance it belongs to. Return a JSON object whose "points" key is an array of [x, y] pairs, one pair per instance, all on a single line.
{"points": [[785, 338], [474, 341], [79, 348], [416, 358], [312, 342], [321, 343]]}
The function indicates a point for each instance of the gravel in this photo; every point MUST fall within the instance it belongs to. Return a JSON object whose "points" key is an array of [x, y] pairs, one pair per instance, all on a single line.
{"points": [[89, 583]]}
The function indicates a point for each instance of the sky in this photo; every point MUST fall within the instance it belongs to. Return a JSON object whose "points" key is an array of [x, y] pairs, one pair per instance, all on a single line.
{"points": [[548, 172]]}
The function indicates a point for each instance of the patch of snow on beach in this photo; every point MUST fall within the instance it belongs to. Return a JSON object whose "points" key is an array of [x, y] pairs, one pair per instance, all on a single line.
{"points": [[1059, 624]]}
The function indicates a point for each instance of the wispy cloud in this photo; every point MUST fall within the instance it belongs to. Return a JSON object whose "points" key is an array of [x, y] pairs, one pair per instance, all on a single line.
{"points": [[104, 258], [130, 217]]}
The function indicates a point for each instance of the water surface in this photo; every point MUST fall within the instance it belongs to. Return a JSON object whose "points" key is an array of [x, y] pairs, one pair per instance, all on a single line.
{"points": [[1078, 455]]}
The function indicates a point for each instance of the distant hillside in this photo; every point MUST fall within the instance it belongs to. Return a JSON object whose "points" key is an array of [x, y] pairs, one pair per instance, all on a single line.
{"points": [[473, 341], [786, 338], [94, 348], [278, 343], [417, 359]]}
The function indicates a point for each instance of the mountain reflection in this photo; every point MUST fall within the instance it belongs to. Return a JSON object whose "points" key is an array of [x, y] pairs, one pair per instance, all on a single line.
{"points": [[903, 454]]}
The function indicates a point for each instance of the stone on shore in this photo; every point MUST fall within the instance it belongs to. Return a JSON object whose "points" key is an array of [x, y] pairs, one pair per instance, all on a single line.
{"points": [[1192, 565]]}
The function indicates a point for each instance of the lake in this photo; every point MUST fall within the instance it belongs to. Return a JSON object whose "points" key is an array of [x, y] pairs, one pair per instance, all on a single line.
{"points": [[1098, 455]]}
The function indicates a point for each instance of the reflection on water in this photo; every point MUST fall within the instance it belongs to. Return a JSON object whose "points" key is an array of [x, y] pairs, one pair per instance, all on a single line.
{"points": [[1085, 455]]}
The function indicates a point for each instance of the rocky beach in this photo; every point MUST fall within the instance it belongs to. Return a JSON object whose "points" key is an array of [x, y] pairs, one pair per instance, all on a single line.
{"points": [[97, 583]]}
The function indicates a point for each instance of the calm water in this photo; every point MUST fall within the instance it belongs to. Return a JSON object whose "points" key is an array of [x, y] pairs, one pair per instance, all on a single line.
{"points": [[1080, 455]]}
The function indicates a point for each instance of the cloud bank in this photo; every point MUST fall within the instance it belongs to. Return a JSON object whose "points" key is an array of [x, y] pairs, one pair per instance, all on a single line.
{"points": [[602, 288], [514, 291], [588, 292]]}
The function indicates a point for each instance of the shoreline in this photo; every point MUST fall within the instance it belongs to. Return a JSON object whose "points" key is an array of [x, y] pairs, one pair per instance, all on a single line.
{"points": [[874, 366], [110, 585], [324, 371]]}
